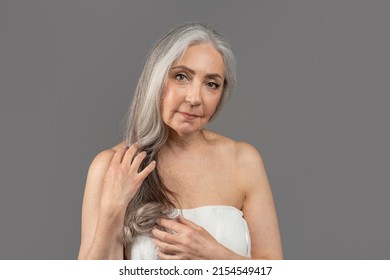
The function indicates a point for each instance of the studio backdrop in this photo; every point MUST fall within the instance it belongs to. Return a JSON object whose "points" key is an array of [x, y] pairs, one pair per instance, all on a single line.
{"points": [[313, 97]]}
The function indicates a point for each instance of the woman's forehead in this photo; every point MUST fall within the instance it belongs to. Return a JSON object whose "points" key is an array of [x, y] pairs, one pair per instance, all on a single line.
{"points": [[202, 57]]}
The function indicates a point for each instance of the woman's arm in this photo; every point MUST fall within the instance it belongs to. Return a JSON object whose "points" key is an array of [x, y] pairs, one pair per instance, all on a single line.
{"points": [[258, 208], [112, 181]]}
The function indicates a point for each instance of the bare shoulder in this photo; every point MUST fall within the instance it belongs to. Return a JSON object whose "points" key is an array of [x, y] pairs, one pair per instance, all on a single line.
{"points": [[250, 166], [247, 155], [241, 152], [109, 153], [103, 159], [100, 164], [220, 142], [245, 160]]}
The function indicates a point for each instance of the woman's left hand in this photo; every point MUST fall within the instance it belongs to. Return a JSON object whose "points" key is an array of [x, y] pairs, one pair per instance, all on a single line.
{"points": [[187, 242]]}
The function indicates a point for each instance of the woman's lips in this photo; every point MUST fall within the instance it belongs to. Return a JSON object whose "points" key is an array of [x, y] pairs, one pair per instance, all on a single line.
{"points": [[188, 115]]}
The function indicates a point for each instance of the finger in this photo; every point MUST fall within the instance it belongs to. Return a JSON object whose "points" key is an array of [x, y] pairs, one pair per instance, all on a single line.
{"points": [[186, 222], [117, 158], [129, 155], [147, 170], [138, 160], [163, 256], [172, 225], [166, 248], [165, 236]]}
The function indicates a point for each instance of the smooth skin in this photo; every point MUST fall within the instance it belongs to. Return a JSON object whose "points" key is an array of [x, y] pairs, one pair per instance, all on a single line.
{"points": [[200, 166]]}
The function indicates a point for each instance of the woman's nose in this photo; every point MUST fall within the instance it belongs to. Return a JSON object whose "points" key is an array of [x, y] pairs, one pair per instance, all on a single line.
{"points": [[193, 95]]}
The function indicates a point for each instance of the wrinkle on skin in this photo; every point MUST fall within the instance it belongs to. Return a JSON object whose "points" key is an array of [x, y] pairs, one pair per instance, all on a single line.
{"points": [[193, 90]]}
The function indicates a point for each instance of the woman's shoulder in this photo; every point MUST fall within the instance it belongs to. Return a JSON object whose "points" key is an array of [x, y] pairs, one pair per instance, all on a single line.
{"points": [[103, 159], [242, 152]]}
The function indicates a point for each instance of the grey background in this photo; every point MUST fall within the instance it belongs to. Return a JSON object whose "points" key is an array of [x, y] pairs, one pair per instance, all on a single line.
{"points": [[313, 97]]}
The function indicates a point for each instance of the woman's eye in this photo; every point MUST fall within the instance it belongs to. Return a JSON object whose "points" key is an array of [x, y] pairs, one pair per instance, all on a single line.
{"points": [[212, 85], [180, 77]]}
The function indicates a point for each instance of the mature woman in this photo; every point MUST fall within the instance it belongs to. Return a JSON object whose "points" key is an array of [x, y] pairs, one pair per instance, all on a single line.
{"points": [[172, 189]]}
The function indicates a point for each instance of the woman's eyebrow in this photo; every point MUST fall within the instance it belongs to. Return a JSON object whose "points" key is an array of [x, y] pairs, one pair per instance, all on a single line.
{"points": [[210, 75], [185, 68]]}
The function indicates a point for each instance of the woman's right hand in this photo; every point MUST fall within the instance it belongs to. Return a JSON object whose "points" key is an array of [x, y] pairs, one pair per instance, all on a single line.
{"points": [[112, 181], [122, 179]]}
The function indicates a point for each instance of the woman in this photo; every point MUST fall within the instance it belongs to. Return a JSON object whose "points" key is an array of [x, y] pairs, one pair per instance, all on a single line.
{"points": [[174, 190]]}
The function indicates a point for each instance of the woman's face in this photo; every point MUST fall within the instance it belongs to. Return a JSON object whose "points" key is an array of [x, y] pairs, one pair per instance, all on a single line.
{"points": [[193, 89]]}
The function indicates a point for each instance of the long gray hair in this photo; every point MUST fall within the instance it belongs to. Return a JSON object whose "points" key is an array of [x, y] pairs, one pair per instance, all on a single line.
{"points": [[144, 124]]}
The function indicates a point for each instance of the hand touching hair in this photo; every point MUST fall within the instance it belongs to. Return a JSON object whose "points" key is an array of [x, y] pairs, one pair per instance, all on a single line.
{"points": [[144, 124]]}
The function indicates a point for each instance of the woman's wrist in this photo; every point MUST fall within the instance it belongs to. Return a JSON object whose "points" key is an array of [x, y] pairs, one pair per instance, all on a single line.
{"points": [[110, 222], [112, 213]]}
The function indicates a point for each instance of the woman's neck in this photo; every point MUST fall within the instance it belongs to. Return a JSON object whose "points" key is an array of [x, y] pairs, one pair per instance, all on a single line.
{"points": [[176, 142]]}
